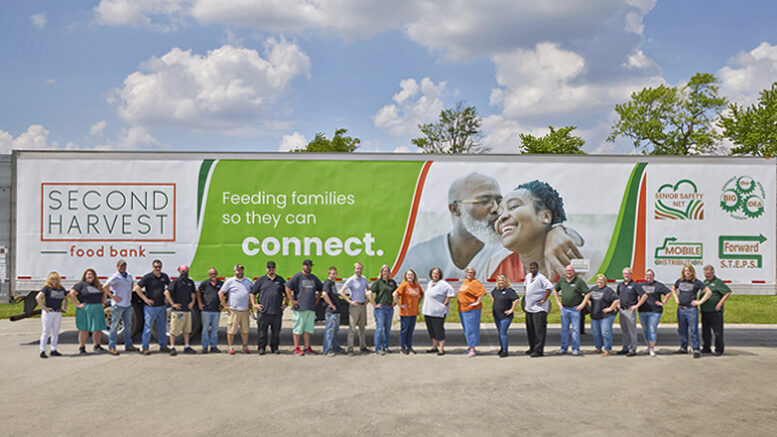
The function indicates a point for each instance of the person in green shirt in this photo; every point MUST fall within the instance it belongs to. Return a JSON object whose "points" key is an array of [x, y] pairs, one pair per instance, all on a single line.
{"points": [[382, 299], [712, 311], [573, 289]]}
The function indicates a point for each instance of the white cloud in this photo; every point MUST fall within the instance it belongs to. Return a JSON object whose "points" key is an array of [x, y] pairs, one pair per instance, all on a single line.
{"points": [[97, 128], [39, 20], [35, 137], [748, 73], [161, 15], [224, 89], [293, 141], [415, 103], [50, 81]]}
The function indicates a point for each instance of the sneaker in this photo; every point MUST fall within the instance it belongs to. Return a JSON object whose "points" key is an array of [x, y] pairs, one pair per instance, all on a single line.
{"points": [[682, 350], [245, 350], [189, 350], [606, 353], [561, 352], [652, 352], [623, 352], [309, 350], [173, 352], [98, 348], [232, 351], [717, 354], [597, 351], [387, 350], [576, 353], [440, 353], [54, 353], [164, 349], [113, 352], [631, 354], [696, 354], [276, 352], [381, 352], [298, 352], [82, 350], [204, 350], [262, 352], [215, 350], [146, 352], [432, 350], [706, 350], [528, 351], [471, 353], [43, 355], [403, 351], [502, 354], [411, 351], [364, 349], [535, 354], [131, 349]]}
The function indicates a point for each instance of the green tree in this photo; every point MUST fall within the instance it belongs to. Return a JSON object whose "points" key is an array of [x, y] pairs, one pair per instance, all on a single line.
{"points": [[672, 120], [457, 131], [557, 141], [753, 129], [338, 143]]}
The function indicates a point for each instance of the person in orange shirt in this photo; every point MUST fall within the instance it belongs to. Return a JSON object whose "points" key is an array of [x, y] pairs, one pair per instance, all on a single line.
{"points": [[470, 295], [407, 297]]}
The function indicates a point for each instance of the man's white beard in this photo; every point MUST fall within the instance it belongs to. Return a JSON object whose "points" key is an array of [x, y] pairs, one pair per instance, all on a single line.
{"points": [[483, 230]]}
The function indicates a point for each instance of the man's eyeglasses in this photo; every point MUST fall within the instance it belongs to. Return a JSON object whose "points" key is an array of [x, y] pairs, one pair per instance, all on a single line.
{"points": [[482, 201], [157, 266]]}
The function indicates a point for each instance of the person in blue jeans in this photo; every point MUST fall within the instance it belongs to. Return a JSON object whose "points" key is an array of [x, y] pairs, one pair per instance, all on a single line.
{"points": [[155, 311], [210, 311], [573, 290], [382, 299], [504, 300], [686, 292], [332, 315], [650, 311], [119, 289], [603, 302]]}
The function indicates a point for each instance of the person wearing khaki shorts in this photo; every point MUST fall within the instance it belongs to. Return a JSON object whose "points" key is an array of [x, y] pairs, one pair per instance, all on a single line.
{"points": [[237, 290], [181, 295]]}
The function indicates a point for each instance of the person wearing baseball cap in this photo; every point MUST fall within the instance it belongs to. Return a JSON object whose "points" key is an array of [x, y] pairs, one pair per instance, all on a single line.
{"points": [[268, 297], [237, 289], [181, 295], [303, 291]]}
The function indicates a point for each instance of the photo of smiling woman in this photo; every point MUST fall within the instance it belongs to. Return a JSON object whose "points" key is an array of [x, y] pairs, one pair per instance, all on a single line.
{"points": [[526, 215]]}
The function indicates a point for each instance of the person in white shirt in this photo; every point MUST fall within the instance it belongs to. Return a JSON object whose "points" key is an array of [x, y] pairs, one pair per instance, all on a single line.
{"points": [[119, 290], [435, 308], [237, 289], [537, 288]]}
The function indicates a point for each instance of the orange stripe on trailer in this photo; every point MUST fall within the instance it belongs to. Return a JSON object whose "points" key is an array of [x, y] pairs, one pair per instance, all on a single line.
{"points": [[638, 265], [419, 188]]}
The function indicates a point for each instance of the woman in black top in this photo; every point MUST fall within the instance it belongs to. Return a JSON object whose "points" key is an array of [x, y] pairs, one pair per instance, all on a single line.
{"points": [[504, 299], [52, 302], [90, 316]]}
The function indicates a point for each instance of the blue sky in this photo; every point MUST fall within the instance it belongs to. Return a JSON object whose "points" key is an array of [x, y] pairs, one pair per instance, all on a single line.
{"points": [[267, 75]]}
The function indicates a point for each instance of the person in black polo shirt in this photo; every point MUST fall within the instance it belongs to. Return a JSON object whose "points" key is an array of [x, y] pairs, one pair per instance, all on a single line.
{"points": [[631, 298], [181, 296], [210, 310], [155, 284], [270, 292]]}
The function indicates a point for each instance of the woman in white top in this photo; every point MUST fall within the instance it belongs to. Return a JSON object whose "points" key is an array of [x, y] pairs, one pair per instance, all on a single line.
{"points": [[435, 308]]}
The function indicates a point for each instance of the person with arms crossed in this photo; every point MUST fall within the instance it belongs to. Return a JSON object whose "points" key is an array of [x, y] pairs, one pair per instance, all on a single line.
{"points": [[52, 302], [154, 312], [573, 290], [685, 292], [650, 312], [268, 298], [237, 289], [631, 297], [119, 290], [181, 295], [537, 289], [303, 290], [354, 292], [712, 312], [504, 300], [210, 310]]}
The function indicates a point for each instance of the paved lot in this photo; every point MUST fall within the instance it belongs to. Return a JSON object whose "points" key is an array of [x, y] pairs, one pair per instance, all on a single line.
{"points": [[393, 394]]}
